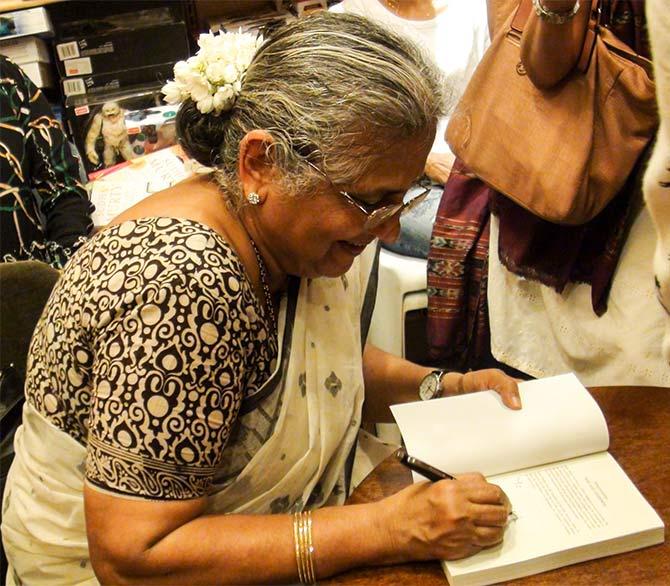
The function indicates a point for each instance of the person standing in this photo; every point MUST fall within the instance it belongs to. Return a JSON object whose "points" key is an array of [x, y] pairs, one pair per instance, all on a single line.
{"points": [[455, 35], [657, 176], [45, 212]]}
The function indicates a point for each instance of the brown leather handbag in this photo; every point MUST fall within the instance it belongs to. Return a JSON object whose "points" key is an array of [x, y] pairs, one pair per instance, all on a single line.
{"points": [[561, 153]]}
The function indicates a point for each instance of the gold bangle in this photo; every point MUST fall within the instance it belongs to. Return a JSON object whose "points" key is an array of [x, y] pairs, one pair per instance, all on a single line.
{"points": [[304, 548], [310, 548], [296, 542]]}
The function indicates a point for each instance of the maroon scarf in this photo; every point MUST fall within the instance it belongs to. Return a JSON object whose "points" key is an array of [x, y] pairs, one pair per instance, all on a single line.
{"points": [[458, 331]]}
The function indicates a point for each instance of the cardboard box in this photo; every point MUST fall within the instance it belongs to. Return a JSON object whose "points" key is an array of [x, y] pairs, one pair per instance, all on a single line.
{"points": [[40, 74], [122, 48], [25, 50], [33, 21], [75, 29], [117, 80], [109, 129]]}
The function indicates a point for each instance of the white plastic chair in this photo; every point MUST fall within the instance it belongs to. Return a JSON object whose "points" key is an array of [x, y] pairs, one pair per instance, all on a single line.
{"points": [[401, 288]]}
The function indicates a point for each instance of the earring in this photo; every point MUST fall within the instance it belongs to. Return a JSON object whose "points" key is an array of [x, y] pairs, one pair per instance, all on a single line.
{"points": [[253, 198]]}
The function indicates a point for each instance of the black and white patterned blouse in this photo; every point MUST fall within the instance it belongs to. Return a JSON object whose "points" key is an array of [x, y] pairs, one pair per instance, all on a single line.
{"points": [[147, 348], [45, 212]]}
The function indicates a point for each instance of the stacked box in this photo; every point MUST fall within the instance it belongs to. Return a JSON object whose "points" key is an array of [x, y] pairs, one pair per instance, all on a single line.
{"points": [[31, 21], [117, 80], [32, 55], [39, 73], [25, 50], [112, 70], [122, 49]]}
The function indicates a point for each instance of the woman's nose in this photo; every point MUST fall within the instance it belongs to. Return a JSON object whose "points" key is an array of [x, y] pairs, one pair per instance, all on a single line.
{"points": [[388, 231]]}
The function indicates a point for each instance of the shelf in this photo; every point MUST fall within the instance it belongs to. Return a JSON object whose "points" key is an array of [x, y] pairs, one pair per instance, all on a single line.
{"points": [[11, 5]]}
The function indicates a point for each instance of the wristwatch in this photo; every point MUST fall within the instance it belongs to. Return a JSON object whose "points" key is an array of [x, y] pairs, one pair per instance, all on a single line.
{"points": [[431, 385]]}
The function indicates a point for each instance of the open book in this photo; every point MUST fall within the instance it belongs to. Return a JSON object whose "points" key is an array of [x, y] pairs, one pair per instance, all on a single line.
{"points": [[124, 185], [573, 502]]}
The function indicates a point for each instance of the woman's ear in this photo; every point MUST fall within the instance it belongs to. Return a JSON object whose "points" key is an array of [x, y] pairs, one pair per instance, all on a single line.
{"points": [[255, 168]]}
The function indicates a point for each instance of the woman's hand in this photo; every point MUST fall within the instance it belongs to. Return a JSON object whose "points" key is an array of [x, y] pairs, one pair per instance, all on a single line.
{"points": [[447, 520], [482, 380]]}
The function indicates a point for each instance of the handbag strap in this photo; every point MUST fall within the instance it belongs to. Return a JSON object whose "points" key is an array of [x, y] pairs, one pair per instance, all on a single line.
{"points": [[524, 10]]}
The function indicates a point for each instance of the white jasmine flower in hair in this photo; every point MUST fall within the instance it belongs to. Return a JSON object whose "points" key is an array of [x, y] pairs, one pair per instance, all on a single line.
{"points": [[206, 104], [212, 78], [224, 98], [215, 72], [231, 74], [182, 70], [199, 89], [173, 94]]}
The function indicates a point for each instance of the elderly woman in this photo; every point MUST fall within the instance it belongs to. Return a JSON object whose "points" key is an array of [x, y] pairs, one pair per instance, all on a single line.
{"points": [[198, 376]]}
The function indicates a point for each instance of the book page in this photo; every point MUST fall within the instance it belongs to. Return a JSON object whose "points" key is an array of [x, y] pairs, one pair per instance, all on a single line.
{"points": [[476, 432], [565, 512], [121, 189]]}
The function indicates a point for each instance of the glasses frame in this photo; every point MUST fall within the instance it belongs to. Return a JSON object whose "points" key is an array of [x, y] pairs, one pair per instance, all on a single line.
{"points": [[376, 216]]}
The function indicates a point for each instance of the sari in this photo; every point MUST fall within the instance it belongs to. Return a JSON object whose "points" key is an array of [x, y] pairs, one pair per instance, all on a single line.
{"points": [[307, 415]]}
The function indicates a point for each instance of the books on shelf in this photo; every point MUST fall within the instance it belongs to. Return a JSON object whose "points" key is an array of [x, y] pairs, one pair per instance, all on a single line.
{"points": [[571, 499]]}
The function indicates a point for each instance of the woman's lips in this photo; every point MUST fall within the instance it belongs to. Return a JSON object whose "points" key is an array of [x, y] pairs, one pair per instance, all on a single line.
{"points": [[352, 247]]}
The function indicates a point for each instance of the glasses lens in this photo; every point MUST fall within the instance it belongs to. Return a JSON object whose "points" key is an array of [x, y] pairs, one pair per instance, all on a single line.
{"points": [[381, 215], [412, 203]]}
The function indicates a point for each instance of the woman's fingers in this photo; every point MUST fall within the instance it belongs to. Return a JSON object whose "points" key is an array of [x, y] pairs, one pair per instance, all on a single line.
{"points": [[494, 379], [490, 506], [482, 492], [488, 536], [509, 391], [495, 516], [461, 552]]}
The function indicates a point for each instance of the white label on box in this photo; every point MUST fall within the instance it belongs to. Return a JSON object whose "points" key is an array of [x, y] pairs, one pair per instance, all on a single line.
{"points": [[74, 86], [67, 50], [78, 66]]}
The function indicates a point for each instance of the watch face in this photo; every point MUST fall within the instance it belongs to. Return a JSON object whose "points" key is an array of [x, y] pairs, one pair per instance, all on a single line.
{"points": [[429, 387]]}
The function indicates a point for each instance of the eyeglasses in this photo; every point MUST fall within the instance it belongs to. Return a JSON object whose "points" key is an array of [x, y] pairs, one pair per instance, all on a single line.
{"points": [[376, 214]]}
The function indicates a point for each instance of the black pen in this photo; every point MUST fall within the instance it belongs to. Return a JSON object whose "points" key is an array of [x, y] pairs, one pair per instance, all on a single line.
{"points": [[426, 470]]}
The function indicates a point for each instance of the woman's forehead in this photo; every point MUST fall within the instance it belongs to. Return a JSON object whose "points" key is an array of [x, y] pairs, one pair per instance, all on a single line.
{"points": [[395, 165]]}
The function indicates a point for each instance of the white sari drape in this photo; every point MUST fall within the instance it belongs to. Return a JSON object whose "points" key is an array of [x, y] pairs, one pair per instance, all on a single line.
{"points": [[302, 464]]}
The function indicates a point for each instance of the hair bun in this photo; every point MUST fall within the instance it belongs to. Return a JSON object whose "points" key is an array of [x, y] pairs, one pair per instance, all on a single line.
{"points": [[200, 135]]}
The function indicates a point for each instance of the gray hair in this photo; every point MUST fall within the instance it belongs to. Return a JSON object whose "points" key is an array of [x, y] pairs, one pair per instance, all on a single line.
{"points": [[332, 90]]}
